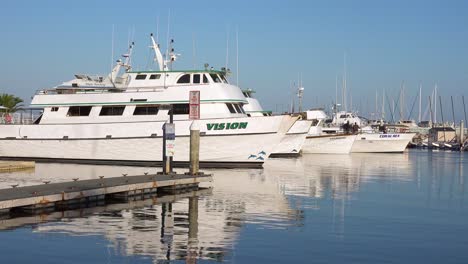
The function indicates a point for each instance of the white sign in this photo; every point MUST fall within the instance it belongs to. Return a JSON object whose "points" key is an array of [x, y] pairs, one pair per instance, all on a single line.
{"points": [[194, 107], [170, 148]]}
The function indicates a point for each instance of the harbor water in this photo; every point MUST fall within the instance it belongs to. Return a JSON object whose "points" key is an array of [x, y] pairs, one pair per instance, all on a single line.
{"points": [[357, 208]]}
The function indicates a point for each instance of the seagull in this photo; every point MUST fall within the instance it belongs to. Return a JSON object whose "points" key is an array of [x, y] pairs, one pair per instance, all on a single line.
{"points": [[46, 182], [252, 156], [124, 174], [146, 173], [14, 185], [262, 153], [100, 177], [76, 179]]}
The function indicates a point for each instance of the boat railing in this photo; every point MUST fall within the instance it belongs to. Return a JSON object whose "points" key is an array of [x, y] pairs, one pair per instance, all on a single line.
{"points": [[98, 90], [17, 118]]}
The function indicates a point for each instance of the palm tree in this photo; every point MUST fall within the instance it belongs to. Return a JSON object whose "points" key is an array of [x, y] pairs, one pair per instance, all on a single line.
{"points": [[10, 102]]}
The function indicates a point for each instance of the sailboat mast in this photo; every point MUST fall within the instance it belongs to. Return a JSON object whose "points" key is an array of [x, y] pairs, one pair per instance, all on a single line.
{"points": [[420, 88], [435, 103]]}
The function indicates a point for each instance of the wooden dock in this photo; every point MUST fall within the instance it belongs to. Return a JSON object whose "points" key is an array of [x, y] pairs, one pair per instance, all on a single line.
{"points": [[69, 194], [10, 165]]}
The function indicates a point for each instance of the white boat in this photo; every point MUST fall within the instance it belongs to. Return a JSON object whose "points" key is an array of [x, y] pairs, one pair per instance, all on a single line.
{"points": [[291, 145], [118, 119], [318, 142], [381, 143]]}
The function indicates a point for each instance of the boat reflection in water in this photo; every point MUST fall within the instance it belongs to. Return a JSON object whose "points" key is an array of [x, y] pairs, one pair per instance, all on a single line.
{"points": [[207, 224]]}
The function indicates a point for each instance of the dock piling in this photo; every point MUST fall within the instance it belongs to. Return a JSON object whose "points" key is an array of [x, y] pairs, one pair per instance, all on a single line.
{"points": [[194, 148]]}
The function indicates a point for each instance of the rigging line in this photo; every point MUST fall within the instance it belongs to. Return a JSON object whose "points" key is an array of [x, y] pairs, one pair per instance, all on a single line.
{"points": [[442, 115], [390, 107], [414, 102]]}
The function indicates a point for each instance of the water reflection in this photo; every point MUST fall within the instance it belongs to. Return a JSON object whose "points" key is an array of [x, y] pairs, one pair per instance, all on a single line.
{"points": [[329, 196]]}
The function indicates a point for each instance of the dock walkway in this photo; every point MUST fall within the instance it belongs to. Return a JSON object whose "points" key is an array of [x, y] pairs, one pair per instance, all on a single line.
{"points": [[10, 165], [67, 193]]}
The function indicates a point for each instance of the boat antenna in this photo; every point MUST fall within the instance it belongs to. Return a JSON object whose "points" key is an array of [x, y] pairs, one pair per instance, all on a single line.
{"points": [[237, 56], [167, 37], [227, 47], [194, 58], [112, 49]]}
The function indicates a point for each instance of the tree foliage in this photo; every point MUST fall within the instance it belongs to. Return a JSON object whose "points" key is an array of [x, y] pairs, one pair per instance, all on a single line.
{"points": [[10, 102]]}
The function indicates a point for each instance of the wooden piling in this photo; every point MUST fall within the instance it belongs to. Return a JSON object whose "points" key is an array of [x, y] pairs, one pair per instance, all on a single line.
{"points": [[194, 149]]}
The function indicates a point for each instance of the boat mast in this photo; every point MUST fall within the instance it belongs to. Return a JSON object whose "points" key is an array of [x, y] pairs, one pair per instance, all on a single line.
{"points": [[435, 103], [419, 116]]}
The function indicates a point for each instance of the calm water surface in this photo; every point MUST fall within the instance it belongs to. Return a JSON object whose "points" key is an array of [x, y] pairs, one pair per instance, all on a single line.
{"points": [[359, 208]]}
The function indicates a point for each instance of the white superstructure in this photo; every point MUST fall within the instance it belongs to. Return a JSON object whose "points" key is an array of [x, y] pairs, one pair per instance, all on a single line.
{"points": [[119, 118]]}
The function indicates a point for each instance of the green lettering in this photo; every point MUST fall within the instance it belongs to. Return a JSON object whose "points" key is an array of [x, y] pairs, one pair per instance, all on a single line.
{"points": [[221, 126], [234, 125], [209, 126], [243, 125], [216, 126], [227, 125]]}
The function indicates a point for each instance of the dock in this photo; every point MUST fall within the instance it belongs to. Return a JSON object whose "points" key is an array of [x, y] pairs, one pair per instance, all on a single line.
{"points": [[10, 165], [66, 195]]}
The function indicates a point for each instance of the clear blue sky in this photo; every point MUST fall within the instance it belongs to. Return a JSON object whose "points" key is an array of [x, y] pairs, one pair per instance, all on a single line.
{"points": [[45, 42]]}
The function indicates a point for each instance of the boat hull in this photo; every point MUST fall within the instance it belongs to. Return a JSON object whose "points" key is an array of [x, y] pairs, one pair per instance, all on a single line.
{"points": [[247, 148], [328, 144], [382, 143]]}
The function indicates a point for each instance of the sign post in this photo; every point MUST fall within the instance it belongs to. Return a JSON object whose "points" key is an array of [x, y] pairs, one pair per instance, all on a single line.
{"points": [[168, 143]]}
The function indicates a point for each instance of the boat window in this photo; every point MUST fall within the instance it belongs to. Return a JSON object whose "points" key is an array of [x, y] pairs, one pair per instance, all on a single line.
{"points": [[342, 116], [180, 109], [112, 110], [231, 108], [146, 110], [241, 107], [184, 79], [155, 76], [205, 79], [196, 78], [238, 109], [79, 110], [140, 77], [246, 94], [223, 78], [54, 109], [215, 77]]}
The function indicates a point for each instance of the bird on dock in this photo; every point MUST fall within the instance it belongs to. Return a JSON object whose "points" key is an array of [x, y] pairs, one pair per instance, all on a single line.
{"points": [[14, 185], [100, 177], [124, 174], [146, 173], [75, 179], [46, 182]]}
